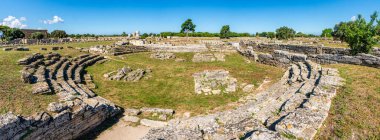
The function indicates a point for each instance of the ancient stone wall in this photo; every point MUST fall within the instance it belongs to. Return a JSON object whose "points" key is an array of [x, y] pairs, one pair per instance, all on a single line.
{"points": [[280, 57], [116, 50], [308, 50], [171, 48]]}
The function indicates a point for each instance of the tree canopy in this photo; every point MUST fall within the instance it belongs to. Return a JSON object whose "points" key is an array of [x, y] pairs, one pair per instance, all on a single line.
{"points": [[359, 34], [188, 26], [58, 34], [327, 32], [37, 35], [285, 33], [225, 32], [11, 33]]}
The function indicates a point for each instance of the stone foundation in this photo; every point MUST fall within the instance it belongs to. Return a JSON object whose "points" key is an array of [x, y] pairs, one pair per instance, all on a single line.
{"points": [[214, 82], [208, 57], [116, 50], [127, 74], [162, 56]]}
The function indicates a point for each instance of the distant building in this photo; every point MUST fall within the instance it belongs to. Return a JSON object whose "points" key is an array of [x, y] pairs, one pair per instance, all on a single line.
{"points": [[29, 32]]}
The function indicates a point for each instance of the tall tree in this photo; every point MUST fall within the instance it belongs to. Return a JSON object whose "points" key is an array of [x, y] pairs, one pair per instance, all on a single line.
{"points": [[225, 32], [3, 30], [327, 32], [359, 34], [124, 34], [37, 35], [58, 34], [271, 35], [187, 27], [285, 33], [13, 33]]}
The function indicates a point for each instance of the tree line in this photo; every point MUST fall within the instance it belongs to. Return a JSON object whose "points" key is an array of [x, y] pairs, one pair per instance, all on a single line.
{"points": [[9, 34]]}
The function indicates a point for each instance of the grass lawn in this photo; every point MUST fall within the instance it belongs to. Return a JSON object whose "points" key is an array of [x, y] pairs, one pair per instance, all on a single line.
{"points": [[355, 111], [16, 96], [171, 84]]}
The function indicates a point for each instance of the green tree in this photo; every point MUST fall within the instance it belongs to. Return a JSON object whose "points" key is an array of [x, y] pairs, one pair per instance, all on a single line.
{"points": [[58, 34], [340, 30], [4, 29], [359, 34], [285, 33], [144, 35], [271, 35], [187, 27], [37, 35], [300, 34], [124, 34], [327, 32], [13, 33], [225, 32], [263, 34]]}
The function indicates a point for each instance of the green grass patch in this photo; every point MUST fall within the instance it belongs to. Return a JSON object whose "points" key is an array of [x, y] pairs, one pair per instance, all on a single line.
{"points": [[171, 84], [355, 111]]}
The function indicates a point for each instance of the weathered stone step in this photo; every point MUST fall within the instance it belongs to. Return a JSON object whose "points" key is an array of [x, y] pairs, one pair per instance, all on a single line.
{"points": [[78, 75], [54, 68], [30, 59]]}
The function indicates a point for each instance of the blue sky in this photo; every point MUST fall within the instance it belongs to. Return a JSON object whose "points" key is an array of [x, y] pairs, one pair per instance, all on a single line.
{"points": [[116, 16]]}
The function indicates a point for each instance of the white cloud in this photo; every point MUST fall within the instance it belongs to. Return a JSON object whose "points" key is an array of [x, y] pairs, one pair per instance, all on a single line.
{"points": [[14, 22], [56, 19], [353, 18]]}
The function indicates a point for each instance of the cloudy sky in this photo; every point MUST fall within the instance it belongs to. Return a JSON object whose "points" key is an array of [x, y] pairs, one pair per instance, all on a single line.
{"points": [[116, 16]]}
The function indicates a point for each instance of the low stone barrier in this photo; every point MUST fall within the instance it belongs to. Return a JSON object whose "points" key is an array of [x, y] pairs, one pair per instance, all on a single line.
{"points": [[308, 50], [280, 57], [116, 50], [170, 48]]}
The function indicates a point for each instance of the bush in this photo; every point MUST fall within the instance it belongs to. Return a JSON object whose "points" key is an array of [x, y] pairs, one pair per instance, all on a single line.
{"points": [[37, 35], [360, 35], [58, 34], [285, 33]]}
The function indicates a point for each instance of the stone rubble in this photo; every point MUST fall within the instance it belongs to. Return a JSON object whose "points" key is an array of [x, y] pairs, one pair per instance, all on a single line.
{"points": [[211, 82], [152, 123], [162, 56], [208, 57], [132, 119], [127, 74]]}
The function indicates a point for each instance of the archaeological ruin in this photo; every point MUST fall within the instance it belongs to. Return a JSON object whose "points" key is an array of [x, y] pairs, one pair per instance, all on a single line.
{"points": [[296, 105]]}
